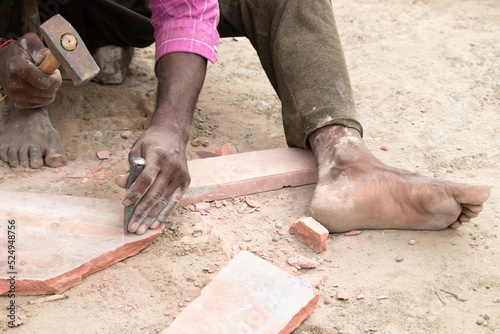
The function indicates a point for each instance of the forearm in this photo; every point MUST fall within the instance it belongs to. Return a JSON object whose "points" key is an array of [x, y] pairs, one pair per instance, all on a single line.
{"points": [[180, 79]]}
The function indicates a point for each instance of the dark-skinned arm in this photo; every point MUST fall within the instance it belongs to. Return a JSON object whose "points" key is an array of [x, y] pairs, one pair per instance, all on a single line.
{"points": [[161, 185]]}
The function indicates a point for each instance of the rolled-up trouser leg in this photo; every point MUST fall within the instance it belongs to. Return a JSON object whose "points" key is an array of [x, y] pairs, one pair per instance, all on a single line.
{"points": [[300, 50]]}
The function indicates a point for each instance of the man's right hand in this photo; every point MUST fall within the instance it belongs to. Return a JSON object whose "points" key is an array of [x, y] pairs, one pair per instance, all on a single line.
{"points": [[20, 78]]}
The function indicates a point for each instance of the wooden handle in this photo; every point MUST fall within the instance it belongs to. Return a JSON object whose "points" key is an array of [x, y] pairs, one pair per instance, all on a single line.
{"points": [[49, 64]]}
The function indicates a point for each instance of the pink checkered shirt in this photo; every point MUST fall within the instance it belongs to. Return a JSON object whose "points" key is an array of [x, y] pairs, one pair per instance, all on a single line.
{"points": [[186, 26]]}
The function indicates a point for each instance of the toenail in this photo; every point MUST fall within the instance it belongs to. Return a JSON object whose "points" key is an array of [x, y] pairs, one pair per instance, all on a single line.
{"points": [[127, 202]]}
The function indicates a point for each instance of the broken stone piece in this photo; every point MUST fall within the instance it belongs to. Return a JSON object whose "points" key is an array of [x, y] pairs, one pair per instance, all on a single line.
{"points": [[301, 261], [62, 239], [104, 154], [310, 232], [249, 295], [342, 296]]}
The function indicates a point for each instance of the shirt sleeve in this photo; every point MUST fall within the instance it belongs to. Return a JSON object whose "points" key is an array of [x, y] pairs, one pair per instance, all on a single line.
{"points": [[186, 26]]}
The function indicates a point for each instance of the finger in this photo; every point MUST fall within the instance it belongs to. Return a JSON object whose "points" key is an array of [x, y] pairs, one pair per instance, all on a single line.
{"points": [[141, 184], [151, 204], [36, 78], [32, 44], [121, 181], [36, 160], [172, 204]]}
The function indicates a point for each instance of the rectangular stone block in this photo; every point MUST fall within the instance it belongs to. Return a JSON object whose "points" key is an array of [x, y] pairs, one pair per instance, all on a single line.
{"points": [[249, 295], [310, 232], [249, 173]]}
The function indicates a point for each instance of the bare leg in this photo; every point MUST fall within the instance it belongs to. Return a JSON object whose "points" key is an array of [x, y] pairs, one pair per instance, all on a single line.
{"points": [[355, 190], [27, 138]]}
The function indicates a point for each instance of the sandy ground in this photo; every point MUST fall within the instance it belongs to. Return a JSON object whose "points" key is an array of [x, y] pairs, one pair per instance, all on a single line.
{"points": [[426, 81]]}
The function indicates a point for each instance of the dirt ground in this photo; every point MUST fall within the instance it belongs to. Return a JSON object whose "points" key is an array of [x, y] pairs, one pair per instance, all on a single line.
{"points": [[426, 78]]}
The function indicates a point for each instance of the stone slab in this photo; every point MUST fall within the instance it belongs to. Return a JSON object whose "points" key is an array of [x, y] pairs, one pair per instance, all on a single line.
{"points": [[61, 239], [249, 295], [249, 173]]}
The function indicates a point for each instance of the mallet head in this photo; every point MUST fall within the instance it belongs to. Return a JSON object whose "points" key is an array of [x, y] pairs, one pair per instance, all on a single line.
{"points": [[69, 50]]}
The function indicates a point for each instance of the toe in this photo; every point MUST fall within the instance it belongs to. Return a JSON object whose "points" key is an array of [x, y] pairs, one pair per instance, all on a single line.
{"points": [[456, 224], [471, 194], [3, 153], [56, 158], [13, 157], [23, 157], [470, 213], [463, 218], [36, 160]]}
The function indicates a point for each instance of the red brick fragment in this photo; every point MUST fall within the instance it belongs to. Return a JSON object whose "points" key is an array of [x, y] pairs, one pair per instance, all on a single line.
{"points": [[310, 232], [104, 155], [342, 296], [226, 149], [302, 261], [252, 203], [384, 148]]}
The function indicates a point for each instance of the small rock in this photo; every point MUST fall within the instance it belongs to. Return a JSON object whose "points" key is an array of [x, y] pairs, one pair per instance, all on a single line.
{"points": [[104, 154], [302, 261], [279, 225], [449, 170], [399, 258], [384, 148], [275, 239], [247, 238], [126, 134], [252, 203], [382, 297], [202, 206], [479, 322], [361, 296], [97, 135], [342, 296], [242, 207], [486, 317], [412, 242]]}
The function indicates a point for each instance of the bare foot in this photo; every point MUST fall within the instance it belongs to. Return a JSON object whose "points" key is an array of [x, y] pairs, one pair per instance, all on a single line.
{"points": [[27, 137], [355, 190]]}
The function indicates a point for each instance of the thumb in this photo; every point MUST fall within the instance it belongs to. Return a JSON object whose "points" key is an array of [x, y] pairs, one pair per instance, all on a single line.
{"points": [[32, 44], [121, 181]]}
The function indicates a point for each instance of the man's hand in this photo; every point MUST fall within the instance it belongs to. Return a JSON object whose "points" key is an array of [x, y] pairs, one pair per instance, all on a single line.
{"points": [[162, 183], [20, 78]]}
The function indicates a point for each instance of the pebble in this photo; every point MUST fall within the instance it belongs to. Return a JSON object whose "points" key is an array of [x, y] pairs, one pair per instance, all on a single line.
{"points": [[496, 300], [279, 225], [126, 134], [486, 317], [479, 322], [275, 239], [412, 242], [97, 135], [247, 238], [399, 258], [449, 170]]}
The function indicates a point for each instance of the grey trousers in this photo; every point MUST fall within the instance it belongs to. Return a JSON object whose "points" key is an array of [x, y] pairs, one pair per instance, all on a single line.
{"points": [[299, 47], [296, 40]]}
